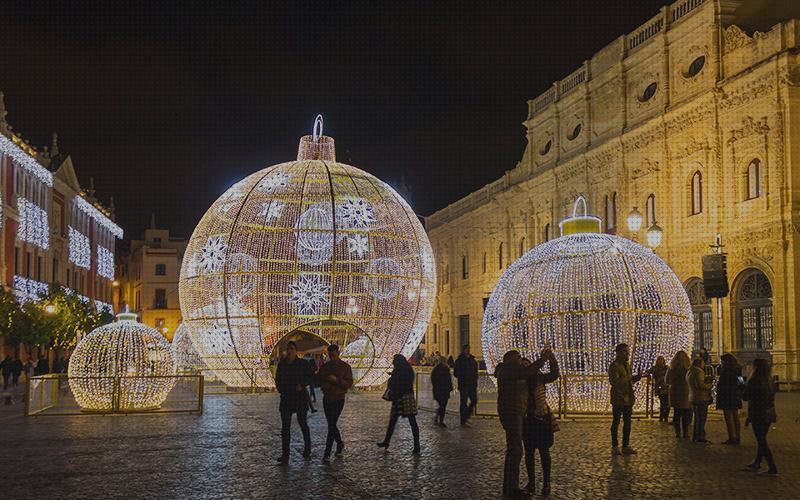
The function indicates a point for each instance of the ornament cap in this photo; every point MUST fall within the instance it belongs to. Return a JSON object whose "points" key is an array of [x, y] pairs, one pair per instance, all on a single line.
{"points": [[584, 223], [316, 146], [126, 315]]}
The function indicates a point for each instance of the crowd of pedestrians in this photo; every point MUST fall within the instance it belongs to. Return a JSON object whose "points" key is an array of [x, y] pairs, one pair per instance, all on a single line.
{"points": [[12, 368]]}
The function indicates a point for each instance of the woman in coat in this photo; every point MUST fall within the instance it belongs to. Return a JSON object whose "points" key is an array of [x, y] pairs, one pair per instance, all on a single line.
{"points": [[401, 394], [729, 396], [679, 393], [700, 396], [442, 383], [760, 396], [659, 374]]}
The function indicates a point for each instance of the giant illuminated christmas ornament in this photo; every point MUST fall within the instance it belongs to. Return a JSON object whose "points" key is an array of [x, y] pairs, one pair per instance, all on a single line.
{"points": [[186, 357], [581, 295], [311, 249], [124, 362]]}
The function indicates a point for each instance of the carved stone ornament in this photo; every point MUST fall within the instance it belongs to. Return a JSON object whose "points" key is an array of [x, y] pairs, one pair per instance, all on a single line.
{"points": [[760, 87], [690, 147], [647, 167], [735, 38], [749, 127]]}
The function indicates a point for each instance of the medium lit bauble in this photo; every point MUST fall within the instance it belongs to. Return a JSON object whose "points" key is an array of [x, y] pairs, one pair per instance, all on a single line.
{"points": [[312, 246], [186, 357], [128, 357], [581, 295]]}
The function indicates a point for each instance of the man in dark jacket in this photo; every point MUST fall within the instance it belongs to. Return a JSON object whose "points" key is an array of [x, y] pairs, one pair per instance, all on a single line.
{"points": [[512, 405], [5, 367], [622, 398], [335, 377], [292, 379], [466, 371], [442, 384], [16, 370], [41, 367]]}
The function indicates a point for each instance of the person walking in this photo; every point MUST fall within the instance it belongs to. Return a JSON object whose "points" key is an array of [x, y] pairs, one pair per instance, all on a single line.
{"points": [[512, 405], [27, 369], [335, 379], [401, 393], [729, 396], [466, 371], [291, 379], [679, 393], [539, 426], [41, 366], [312, 394], [760, 396], [659, 373], [442, 383], [700, 396], [5, 368], [16, 371], [622, 398]]}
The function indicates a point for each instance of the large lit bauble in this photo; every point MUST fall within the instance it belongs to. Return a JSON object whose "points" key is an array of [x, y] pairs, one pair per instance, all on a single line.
{"points": [[311, 245], [582, 294], [125, 357]]}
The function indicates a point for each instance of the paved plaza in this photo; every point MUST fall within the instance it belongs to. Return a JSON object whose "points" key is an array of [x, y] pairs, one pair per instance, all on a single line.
{"points": [[230, 451]]}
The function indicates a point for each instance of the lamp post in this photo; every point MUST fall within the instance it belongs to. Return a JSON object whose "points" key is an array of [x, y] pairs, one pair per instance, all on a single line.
{"points": [[654, 236], [634, 221]]}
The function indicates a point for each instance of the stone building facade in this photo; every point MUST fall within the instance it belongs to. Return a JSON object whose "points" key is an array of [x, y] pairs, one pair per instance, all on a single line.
{"points": [[692, 119]]}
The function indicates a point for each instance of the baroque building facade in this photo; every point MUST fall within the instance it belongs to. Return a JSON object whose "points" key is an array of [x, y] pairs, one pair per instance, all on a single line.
{"points": [[692, 119]]}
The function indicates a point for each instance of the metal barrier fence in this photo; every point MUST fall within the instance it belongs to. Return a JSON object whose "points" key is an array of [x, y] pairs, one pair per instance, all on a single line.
{"points": [[52, 395], [562, 395]]}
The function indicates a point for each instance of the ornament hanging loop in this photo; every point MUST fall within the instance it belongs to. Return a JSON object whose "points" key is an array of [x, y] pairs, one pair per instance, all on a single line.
{"points": [[580, 200], [316, 132]]}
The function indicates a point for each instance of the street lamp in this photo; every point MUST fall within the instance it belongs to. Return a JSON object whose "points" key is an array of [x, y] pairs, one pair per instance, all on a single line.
{"points": [[635, 220], [654, 236], [50, 309]]}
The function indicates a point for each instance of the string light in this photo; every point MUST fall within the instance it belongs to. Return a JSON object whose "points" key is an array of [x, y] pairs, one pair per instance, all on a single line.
{"points": [[79, 251], [186, 357], [33, 223], [105, 262], [27, 289], [327, 248], [25, 161], [582, 294], [125, 359], [98, 216]]}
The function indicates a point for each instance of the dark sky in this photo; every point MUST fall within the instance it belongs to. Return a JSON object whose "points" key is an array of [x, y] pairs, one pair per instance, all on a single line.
{"points": [[166, 106]]}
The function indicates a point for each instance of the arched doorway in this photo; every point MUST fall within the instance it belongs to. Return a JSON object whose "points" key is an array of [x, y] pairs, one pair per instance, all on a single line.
{"points": [[753, 309], [701, 311]]}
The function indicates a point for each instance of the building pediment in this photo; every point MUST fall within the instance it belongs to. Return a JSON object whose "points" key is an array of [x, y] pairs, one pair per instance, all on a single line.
{"points": [[66, 173]]}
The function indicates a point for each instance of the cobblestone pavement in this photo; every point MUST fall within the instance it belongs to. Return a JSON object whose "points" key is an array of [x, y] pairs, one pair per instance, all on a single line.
{"points": [[230, 451]]}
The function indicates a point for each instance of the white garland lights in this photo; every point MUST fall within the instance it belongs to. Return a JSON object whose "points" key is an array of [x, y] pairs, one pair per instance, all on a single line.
{"points": [[105, 262], [33, 223], [310, 244], [186, 357], [27, 289], [128, 357], [98, 216], [80, 250], [25, 161], [582, 294]]}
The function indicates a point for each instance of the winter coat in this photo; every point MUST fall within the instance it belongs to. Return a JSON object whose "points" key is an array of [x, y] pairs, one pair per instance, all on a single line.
{"points": [[442, 382], [288, 377], [334, 391], [619, 376], [699, 385], [512, 387], [401, 381], [760, 402], [466, 371], [678, 389], [729, 389]]}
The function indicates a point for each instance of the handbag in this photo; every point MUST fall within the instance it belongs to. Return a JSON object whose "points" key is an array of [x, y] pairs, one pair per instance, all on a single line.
{"points": [[387, 395]]}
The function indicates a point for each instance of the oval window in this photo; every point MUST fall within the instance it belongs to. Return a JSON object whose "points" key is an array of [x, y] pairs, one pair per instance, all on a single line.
{"points": [[649, 92], [696, 66], [546, 148], [575, 132]]}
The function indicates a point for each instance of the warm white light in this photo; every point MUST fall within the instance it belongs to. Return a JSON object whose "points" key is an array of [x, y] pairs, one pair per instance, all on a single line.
{"points": [[582, 294], [314, 244], [50, 309], [654, 236], [186, 356], [138, 354], [635, 220]]}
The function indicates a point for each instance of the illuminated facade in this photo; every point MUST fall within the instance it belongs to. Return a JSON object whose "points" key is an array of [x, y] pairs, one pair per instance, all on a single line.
{"points": [[310, 248], [53, 231], [690, 119]]}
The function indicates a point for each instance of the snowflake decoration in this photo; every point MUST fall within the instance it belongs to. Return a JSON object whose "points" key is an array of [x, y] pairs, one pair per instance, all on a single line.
{"points": [[275, 182], [358, 244], [271, 210], [212, 256], [309, 293], [355, 213]]}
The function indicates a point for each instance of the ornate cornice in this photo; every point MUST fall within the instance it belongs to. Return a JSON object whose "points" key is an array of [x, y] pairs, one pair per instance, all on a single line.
{"points": [[749, 127]]}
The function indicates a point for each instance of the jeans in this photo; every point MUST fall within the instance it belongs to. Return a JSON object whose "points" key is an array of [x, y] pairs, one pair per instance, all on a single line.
{"points": [[530, 457], [440, 412], [681, 418], [311, 393], [760, 429], [286, 429], [471, 394], [412, 421], [625, 413], [512, 424], [6, 380], [700, 416], [663, 409], [333, 409]]}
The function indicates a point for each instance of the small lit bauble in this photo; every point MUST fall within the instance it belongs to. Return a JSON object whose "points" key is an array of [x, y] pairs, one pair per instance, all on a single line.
{"points": [[313, 246], [126, 356], [582, 294], [186, 357]]}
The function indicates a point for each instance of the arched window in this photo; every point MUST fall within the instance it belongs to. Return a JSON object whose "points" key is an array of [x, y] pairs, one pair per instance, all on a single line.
{"points": [[701, 310], [611, 213], [521, 247], [697, 193], [546, 234], [754, 179], [754, 310], [484, 262], [464, 267], [650, 211], [500, 256]]}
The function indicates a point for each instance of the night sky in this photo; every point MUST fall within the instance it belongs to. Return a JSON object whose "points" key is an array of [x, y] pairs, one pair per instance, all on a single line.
{"points": [[167, 106]]}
